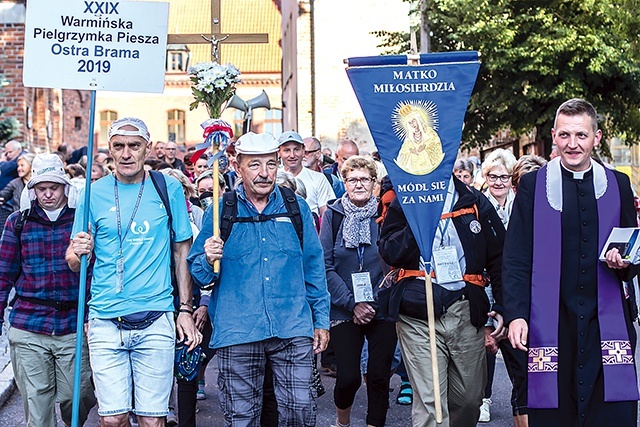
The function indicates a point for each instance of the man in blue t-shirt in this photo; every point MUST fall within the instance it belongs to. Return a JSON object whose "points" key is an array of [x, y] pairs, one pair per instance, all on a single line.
{"points": [[131, 332]]}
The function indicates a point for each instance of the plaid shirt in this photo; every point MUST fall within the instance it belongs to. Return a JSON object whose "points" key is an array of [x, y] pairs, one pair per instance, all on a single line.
{"points": [[36, 267]]}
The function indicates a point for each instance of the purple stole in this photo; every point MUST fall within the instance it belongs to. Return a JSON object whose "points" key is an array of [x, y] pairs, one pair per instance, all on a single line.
{"points": [[620, 382]]}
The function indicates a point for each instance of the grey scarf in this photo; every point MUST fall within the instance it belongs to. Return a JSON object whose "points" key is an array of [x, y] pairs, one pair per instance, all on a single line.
{"points": [[356, 228]]}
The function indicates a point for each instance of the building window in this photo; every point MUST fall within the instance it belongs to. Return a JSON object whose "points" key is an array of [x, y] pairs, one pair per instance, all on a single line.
{"points": [[238, 119], [77, 123], [177, 58], [273, 122], [106, 118], [175, 125], [621, 153]]}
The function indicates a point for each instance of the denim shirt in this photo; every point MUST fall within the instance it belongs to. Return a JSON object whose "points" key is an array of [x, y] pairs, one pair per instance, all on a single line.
{"points": [[268, 286]]}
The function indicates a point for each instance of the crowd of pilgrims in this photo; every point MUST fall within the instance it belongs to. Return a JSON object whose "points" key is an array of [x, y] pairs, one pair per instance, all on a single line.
{"points": [[364, 346]]}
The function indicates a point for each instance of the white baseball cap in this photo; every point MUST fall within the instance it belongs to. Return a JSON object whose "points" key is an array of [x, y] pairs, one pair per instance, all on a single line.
{"points": [[254, 143], [141, 128], [290, 136], [47, 168]]}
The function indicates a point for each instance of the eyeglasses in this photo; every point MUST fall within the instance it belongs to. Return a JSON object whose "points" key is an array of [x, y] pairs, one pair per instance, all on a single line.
{"points": [[494, 178], [311, 151], [364, 181]]}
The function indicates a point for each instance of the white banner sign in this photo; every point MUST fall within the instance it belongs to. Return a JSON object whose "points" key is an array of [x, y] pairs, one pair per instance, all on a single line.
{"points": [[96, 45]]}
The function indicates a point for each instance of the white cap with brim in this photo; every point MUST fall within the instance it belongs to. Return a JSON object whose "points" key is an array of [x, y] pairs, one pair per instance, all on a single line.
{"points": [[290, 136], [47, 168], [254, 143], [141, 128]]}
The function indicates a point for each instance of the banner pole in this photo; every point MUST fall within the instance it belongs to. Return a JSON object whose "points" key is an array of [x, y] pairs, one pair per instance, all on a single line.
{"points": [[431, 319], [82, 291]]}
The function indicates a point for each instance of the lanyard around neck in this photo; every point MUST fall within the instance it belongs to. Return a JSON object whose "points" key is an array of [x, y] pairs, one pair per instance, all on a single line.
{"points": [[443, 230], [133, 214]]}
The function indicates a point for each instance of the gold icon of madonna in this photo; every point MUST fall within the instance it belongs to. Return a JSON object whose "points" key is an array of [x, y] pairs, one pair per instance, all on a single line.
{"points": [[415, 124]]}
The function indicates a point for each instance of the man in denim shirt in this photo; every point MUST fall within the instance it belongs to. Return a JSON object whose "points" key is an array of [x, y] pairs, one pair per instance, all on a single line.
{"points": [[270, 302]]}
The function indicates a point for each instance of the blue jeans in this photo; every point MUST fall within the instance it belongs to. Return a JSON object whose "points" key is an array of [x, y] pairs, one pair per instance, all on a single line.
{"points": [[133, 366]]}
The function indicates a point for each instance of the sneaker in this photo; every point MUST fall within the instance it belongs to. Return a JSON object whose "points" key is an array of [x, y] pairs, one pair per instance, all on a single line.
{"points": [[200, 395], [485, 411]]}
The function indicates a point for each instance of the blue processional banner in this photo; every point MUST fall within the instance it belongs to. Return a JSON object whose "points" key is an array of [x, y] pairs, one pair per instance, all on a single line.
{"points": [[415, 114]]}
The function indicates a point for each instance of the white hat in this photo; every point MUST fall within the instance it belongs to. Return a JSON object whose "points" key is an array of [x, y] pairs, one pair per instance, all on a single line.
{"points": [[47, 168], [254, 143], [142, 131], [290, 136]]}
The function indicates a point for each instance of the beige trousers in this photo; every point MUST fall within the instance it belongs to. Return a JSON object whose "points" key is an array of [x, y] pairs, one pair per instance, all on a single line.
{"points": [[43, 366], [462, 366]]}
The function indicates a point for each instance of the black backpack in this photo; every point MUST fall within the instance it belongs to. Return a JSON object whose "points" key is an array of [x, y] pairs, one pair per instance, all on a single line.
{"points": [[160, 183], [230, 216]]}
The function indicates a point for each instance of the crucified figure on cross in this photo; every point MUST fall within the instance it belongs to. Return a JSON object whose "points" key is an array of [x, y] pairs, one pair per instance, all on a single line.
{"points": [[214, 44]]}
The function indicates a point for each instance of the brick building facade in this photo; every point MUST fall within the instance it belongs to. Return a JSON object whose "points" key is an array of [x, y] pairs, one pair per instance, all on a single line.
{"points": [[48, 117]]}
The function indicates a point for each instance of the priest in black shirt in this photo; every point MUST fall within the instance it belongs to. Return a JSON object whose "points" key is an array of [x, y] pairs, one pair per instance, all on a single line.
{"points": [[566, 308]]}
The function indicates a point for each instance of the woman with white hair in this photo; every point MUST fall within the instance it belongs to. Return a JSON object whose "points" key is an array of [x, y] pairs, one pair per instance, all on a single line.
{"points": [[497, 169]]}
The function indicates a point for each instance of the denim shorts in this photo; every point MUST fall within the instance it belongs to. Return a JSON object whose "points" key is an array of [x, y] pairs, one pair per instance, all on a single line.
{"points": [[136, 363]]}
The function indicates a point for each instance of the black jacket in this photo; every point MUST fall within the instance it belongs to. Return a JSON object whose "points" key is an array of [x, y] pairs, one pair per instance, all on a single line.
{"points": [[482, 251]]}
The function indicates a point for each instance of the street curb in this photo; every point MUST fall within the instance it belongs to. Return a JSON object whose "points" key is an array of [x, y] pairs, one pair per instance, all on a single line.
{"points": [[7, 384]]}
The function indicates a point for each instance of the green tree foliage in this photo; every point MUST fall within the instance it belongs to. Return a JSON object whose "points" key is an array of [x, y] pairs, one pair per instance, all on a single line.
{"points": [[538, 53], [9, 127]]}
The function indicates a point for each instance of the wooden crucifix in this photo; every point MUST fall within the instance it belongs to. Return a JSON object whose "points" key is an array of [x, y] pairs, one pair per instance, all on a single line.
{"points": [[216, 36]]}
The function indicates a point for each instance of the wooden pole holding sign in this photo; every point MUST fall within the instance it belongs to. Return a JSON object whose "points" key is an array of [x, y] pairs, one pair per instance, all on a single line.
{"points": [[433, 347], [414, 59], [216, 204], [214, 38]]}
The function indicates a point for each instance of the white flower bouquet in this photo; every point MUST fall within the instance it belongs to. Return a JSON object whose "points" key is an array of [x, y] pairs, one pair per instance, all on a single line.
{"points": [[213, 85]]}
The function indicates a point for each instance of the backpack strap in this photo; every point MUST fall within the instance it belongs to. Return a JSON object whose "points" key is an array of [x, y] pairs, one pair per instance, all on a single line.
{"points": [[229, 214], [18, 226], [293, 208], [336, 221], [328, 175], [160, 184]]}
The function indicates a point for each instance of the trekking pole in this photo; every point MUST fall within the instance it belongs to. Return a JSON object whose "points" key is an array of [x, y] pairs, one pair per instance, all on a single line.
{"points": [[84, 260], [431, 321]]}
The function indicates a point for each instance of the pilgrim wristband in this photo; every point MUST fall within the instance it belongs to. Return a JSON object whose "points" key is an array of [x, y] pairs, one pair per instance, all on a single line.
{"points": [[184, 310]]}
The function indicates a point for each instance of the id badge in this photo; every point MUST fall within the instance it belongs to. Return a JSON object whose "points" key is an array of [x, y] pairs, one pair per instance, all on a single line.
{"points": [[362, 290], [119, 274], [447, 265]]}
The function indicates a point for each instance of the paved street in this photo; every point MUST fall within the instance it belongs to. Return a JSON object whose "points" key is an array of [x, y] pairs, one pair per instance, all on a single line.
{"points": [[11, 415]]}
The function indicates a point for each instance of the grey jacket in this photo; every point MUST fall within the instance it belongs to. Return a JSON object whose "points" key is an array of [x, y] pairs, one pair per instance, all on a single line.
{"points": [[340, 262]]}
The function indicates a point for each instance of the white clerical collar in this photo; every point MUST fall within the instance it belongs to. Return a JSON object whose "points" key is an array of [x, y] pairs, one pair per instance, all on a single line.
{"points": [[576, 175], [554, 181]]}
